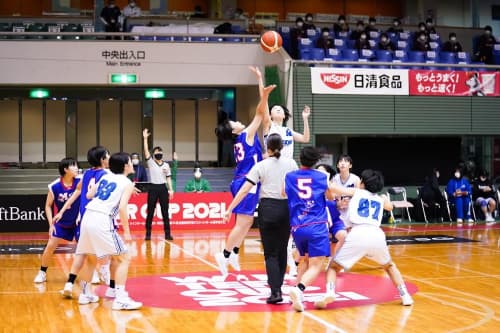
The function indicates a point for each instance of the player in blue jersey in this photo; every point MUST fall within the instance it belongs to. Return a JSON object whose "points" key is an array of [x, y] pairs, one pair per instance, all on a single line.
{"points": [[307, 191], [247, 153], [366, 238], [98, 158], [98, 233], [60, 190]]}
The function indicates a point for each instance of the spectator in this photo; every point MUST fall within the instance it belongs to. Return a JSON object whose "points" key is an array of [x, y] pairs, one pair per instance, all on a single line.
{"points": [[421, 43], [308, 24], [197, 184], [325, 42], [385, 43], [360, 27], [396, 27], [431, 194], [452, 45], [372, 22], [429, 26], [362, 42], [296, 34], [110, 16], [140, 174], [483, 194], [485, 46], [459, 193], [198, 13], [341, 25], [421, 29], [131, 10]]}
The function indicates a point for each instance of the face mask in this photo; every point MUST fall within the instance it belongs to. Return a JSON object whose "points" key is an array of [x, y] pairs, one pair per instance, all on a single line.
{"points": [[395, 24], [383, 40], [197, 175], [487, 32], [326, 35], [341, 21], [300, 24], [363, 36], [453, 39], [372, 23], [111, 6], [422, 38], [309, 19], [135, 161], [132, 5], [422, 28], [158, 156], [457, 174], [437, 174], [360, 27]]}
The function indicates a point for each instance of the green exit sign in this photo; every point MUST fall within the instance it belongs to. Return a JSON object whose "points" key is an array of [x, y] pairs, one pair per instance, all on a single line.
{"points": [[154, 93], [122, 78], [39, 93]]}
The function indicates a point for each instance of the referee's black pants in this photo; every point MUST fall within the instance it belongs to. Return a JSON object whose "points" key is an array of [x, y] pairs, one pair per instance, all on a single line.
{"points": [[158, 192], [274, 227]]}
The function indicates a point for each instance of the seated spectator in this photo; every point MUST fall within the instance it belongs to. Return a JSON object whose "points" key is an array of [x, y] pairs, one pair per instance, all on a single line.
{"points": [[362, 42], [421, 29], [360, 27], [308, 24], [131, 10], [483, 194], [452, 45], [372, 22], [459, 193], [396, 27], [385, 43], [341, 25], [485, 45], [296, 33], [197, 184], [431, 195], [325, 41], [429, 26], [421, 43], [140, 174]]}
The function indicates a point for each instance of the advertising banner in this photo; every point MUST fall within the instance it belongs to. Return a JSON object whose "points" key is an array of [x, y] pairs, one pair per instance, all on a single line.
{"points": [[453, 83], [188, 211], [359, 81]]}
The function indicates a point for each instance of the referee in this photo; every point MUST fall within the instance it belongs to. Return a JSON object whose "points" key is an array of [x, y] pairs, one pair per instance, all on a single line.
{"points": [[274, 219], [159, 175]]}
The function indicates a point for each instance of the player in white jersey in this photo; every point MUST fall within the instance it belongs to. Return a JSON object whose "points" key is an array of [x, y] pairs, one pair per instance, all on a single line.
{"points": [[276, 122], [347, 179], [366, 238], [98, 234]]}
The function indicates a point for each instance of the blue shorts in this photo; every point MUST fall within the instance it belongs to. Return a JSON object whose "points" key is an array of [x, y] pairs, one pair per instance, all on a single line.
{"points": [[248, 205], [313, 240], [337, 226], [65, 233]]}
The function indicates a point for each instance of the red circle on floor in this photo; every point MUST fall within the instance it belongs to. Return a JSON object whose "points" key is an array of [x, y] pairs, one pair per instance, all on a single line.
{"points": [[248, 290]]}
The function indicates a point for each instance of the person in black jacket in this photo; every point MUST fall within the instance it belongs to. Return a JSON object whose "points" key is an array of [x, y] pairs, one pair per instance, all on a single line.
{"points": [[325, 42], [485, 46], [431, 195], [385, 43], [296, 33], [483, 194], [452, 45]]}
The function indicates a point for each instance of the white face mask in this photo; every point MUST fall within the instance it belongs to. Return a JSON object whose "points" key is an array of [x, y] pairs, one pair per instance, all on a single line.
{"points": [[135, 161], [457, 174], [132, 4], [453, 39], [300, 24], [197, 174]]}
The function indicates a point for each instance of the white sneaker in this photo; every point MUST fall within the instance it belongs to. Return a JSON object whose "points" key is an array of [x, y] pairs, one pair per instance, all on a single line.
{"points": [[460, 221], [406, 299], [326, 299], [470, 221], [292, 270], [104, 274], [95, 278], [86, 299], [125, 303], [40, 277], [296, 298], [222, 262], [110, 292], [68, 290], [489, 218], [234, 261]]}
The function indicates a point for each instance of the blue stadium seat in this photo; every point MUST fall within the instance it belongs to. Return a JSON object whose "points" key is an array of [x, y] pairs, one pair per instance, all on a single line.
{"points": [[232, 39], [366, 54], [404, 36], [393, 37], [215, 39], [318, 54], [403, 45], [448, 58], [496, 57], [342, 35], [463, 58], [416, 56], [350, 55], [285, 34], [383, 56], [435, 46], [305, 48], [199, 38], [374, 35], [339, 43], [334, 54]]}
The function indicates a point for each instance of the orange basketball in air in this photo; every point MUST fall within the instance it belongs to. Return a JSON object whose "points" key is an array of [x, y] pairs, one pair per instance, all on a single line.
{"points": [[271, 41]]}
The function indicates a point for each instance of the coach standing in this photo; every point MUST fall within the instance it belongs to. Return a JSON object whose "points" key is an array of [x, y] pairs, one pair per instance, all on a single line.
{"points": [[159, 175]]}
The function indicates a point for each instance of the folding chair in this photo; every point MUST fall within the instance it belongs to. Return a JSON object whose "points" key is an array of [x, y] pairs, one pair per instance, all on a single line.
{"points": [[449, 204], [436, 207], [403, 204]]}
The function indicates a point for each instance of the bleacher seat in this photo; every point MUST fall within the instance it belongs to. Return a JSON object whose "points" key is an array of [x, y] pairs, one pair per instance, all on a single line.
{"points": [[435, 46], [334, 54], [73, 28], [403, 45], [285, 35], [383, 56], [305, 48], [339, 43], [374, 34], [199, 39], [350, 55], [448, 58], [404, 36], [317, 54], [416, 57], [215, 39], [342, 35], [366, 54], [36, 27], [233, 39]]}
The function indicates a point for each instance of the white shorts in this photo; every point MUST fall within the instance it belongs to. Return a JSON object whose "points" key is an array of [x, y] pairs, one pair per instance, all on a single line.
{"points": [[361, 241], [98, 236]]}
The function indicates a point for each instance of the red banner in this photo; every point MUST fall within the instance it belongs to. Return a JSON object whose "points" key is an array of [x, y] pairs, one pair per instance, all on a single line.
{"points": [[188, 211], [453, 83]]}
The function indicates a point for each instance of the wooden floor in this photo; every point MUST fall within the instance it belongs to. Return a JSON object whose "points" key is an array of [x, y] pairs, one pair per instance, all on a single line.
{"points": [[458, 289]]}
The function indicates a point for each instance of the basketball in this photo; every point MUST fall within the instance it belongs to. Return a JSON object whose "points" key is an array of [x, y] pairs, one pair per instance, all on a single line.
{"points": [[271, 41]]}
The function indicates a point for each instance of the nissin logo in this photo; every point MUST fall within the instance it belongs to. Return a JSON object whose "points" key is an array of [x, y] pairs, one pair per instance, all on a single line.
{"points": [[335, 80]]}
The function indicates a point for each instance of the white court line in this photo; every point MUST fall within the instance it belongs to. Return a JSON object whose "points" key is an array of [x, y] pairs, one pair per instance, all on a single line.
{"points": [[307, 314]]}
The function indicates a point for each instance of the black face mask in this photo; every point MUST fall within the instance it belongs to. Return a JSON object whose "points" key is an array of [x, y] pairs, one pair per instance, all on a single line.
{"points": [[158, 156]]}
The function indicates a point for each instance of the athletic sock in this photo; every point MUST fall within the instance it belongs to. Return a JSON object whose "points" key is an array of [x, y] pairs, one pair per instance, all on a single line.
{"points": [[226, 253], [236, 250], [402, 289], [72, 278], [112, 284], [301, 287], [330, 287], [43, 268]]}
